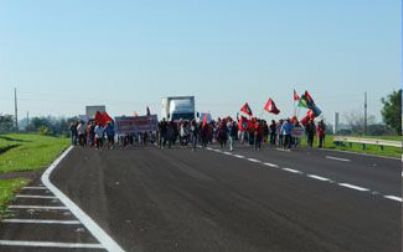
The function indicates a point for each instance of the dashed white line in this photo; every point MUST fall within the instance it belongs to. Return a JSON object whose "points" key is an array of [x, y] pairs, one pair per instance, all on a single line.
{"points": [[354, 187], [271, 165], [36, 221], [30, 196], [254, 160], [227, 153], [239, 156], [37, 207], [318, 177], [292, 170], [338, 159], [391, 197], [50, 244]]}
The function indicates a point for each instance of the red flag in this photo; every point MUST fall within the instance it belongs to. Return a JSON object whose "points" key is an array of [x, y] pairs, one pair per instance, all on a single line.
{"points": [[246, 109], [102, 118], [204, 123], [309, 116], [271, 107], [296, 96]]}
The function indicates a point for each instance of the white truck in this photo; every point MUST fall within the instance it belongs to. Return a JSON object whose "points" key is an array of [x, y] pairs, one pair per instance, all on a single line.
{"points": [[178, 107]]}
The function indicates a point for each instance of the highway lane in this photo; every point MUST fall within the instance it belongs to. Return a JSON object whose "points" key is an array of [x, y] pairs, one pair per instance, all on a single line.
{"points": [[179, 200], [376, 173]]}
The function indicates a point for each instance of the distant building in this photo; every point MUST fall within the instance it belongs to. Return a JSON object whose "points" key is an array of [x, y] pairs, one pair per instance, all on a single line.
{"points": [[90, 111]]}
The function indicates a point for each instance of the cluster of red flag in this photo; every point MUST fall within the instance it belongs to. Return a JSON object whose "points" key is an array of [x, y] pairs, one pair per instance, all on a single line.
{"points": [[270, 107], [305, 100]]}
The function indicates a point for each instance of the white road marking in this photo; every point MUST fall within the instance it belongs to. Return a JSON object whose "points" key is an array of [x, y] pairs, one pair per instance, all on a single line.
{"points": [[209, 148], [30, 196], [391, 197], [318, 177], [283, 150], [354, 187], [338, 159], [239, 156], [292, 170], [50, 244], [36, 221], [227, 153], [254, 160], [107, 242], [34, 188], [271, 165], [37, 207]]}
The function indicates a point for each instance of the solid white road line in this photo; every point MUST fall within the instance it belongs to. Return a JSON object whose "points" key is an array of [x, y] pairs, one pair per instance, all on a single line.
{"points": [[34, 188], [239, 156], [227, 153], [107, 241], [35, 221], [254, 160], [271, 165], [292, 170], [45, 244], [37, 207], [318, 177], [338, 159], [30, 196], [391, 197], [354, 187]]}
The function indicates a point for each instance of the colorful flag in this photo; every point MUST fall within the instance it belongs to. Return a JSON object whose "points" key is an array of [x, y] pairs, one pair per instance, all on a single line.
{"points": [[204, 122], [302, 102], [271, 107], [296, 96], [246, 109]]}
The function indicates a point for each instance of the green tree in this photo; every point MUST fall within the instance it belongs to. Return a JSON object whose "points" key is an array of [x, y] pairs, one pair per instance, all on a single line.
{"points": [[392, 111]]}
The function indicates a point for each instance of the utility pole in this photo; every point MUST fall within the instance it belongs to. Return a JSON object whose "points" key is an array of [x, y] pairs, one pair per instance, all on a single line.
{"points": [[26, 129], [16, 110], [365, 113]]}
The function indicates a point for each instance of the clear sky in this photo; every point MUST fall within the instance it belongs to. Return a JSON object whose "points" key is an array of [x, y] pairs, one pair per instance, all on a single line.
{"points": [[63, 55]]}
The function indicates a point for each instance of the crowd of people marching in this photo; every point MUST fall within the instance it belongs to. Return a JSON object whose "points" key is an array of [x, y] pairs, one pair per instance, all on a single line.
{"points": [[224, 131], [93, 134], [254, 132]]}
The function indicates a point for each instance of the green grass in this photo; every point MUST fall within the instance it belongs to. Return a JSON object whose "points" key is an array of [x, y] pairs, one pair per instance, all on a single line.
{"points": [[370, 149], [7, 189], [32, 152]]}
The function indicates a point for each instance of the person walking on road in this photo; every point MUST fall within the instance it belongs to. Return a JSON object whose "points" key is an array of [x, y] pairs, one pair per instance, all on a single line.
{"points": [[231, 129], [99, 135], [310, 132], [74, 134], [272, 132], [81, 133], [162, 127], [321, 129], [194, 131], [110, 133], [286, 130]]}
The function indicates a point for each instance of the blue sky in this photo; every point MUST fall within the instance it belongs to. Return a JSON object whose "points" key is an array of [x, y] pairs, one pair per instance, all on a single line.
{"points": [[63, 55]]}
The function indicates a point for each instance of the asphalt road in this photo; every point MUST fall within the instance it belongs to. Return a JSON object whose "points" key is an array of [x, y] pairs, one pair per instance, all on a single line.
{"points": [[211, 200]]}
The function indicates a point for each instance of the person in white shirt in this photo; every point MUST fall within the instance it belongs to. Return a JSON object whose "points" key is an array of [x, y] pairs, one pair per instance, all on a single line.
{"points": [[99, 135], [81, 133]]}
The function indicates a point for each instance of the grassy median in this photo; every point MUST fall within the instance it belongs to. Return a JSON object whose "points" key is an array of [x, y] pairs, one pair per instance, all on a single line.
{"points": [[370, 149], [24, 153]]}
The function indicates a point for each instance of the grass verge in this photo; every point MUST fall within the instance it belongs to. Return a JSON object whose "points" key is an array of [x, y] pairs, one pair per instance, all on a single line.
{"points": [[31, 152], [370, 149], [7, 189], [24, 152]]}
